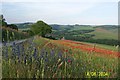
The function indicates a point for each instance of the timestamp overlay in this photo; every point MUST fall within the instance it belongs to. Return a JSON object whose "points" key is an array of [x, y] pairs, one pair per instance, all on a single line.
{"points": [[97, 74]]}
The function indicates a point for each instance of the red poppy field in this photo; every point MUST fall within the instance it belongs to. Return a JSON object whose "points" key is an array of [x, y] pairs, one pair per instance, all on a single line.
{"points": [[87, 47]]}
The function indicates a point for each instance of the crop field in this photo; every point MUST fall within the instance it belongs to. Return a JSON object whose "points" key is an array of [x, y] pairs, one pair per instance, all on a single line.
{"points": [[39, 57]]}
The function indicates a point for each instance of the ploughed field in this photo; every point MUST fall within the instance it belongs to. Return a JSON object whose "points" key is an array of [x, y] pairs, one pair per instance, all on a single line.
{"points": [[44, 58]]}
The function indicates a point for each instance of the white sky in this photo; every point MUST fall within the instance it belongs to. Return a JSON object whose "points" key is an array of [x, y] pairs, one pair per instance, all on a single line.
{"points": [[61, 11], [59, 0]]}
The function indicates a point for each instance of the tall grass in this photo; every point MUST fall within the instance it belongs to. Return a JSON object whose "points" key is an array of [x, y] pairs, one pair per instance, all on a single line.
{"points": [[9, 34]]}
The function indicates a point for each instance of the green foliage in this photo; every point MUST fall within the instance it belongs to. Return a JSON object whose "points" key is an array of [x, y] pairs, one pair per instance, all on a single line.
{"points": [[4, 24], [41, 28], [24, 25], [9, 32], [29, 32], [9, 35], [2, 21], [92, 40], [72, 34], [13, 26]]}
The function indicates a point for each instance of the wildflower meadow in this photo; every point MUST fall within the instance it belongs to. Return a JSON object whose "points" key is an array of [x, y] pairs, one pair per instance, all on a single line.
{"points": [[39, 57]]}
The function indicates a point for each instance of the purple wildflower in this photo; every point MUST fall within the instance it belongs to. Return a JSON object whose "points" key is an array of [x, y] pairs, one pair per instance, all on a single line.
{"points": [[18, 60], [35, 53], [18, 50], [25, 60], [14, 44], [60, 55], [46, 54], [52, 53], [4, 43], [46, 59]]}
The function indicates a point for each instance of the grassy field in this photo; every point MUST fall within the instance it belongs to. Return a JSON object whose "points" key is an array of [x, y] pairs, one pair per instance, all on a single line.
{"points": [[83, 28], [114, 48], [43, 58], [24, 29], [105, 34]]}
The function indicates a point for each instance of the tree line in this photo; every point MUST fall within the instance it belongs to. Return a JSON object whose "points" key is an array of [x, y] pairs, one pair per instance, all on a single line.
{"points": [[9, 32], [92, 40], [39, 28], [4, 23]]}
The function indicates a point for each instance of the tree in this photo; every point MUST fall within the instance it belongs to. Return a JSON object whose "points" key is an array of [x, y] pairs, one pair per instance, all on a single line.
{"points": [[13, 26], [2, 21], [41, 28], [29, 32]]}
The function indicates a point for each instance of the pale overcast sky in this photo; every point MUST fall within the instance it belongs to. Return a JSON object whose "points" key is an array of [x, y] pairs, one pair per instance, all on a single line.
{"points": [[94, 12]]}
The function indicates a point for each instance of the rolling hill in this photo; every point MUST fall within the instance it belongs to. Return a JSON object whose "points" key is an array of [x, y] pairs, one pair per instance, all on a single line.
{"points": [[101, 33], [80, 32]]}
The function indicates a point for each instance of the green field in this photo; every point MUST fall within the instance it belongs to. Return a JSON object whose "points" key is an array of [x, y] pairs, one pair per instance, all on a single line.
{"points": [[24, 29], [109, 47], [101, 33], [83, 28]]}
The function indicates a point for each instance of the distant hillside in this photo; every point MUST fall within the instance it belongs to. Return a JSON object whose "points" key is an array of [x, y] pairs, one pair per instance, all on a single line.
{"points": [[87, 31], [61, 27], [24, 25], [105, 32], [70, 27], [57, 26]]}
